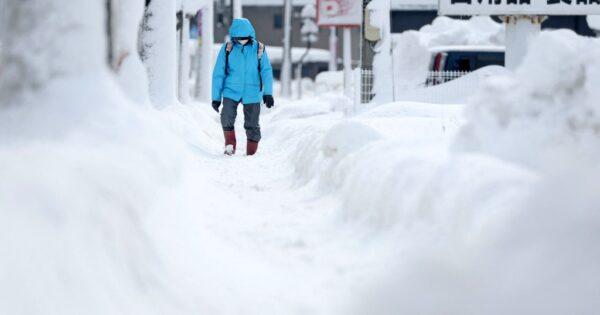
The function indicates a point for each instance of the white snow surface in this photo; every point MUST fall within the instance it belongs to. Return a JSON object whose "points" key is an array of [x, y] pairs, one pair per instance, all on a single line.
{"points": [[108, 207]]}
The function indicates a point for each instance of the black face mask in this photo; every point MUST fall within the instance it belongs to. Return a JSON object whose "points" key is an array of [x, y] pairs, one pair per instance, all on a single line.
{"points": [[237, 39]]}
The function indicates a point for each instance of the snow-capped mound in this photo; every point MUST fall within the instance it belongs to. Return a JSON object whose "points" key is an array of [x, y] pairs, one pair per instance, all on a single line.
{"points": [[544, 113]]}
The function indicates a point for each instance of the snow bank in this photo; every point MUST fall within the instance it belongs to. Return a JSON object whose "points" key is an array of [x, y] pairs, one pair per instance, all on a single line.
{"points": [[103, 202], [504, 223], [547, 113], [328, 81]]}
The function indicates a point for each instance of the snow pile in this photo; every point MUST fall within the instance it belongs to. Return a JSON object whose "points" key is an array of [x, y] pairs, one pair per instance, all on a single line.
{"points": [[329, 81], [507, 222], [103, 203], [547, 113], [411, 55], [536, 254]]}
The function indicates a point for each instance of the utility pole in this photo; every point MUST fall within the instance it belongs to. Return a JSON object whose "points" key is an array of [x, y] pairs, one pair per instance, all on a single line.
{"points": [[332, 48], [366, 60], [286, 66], [310, 35], [205, 52], [236, 9], [347, 62], [183, 25]]}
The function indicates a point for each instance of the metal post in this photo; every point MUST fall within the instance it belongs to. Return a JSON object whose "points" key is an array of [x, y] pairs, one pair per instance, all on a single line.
{"points": [[205, 51], [184, 59], [332, 49], [236, 6], [366, 60], [347, 62], [519, 31], [286, 66]]}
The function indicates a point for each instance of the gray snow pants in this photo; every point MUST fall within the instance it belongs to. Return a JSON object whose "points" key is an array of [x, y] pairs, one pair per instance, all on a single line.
{"points": [[251, 118]]}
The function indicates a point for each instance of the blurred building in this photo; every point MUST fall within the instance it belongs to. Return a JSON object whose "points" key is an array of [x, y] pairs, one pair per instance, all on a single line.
{"points": [[267, 18]]}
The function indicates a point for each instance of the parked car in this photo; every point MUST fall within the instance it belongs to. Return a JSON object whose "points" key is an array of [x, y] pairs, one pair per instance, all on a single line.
{"points": [[451, 62]]}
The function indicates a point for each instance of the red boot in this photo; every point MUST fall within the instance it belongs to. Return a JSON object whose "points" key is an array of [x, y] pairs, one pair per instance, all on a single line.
{"points": [[251, 147], [230, 142]]}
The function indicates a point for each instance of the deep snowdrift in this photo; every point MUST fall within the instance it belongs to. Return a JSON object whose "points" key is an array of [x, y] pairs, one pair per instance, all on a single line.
{"points": [[507, 221]]}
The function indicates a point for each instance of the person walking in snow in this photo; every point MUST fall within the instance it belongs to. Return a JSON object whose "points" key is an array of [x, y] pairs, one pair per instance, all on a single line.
{"points": [[242, 74]]}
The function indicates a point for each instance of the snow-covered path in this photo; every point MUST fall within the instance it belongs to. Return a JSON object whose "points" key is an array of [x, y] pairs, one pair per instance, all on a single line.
{"points": [[292, 230], [316, 260]]}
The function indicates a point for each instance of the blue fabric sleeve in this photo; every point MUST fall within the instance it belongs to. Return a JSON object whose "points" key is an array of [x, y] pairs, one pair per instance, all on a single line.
{"points": [[266, 74], [218, 76]]}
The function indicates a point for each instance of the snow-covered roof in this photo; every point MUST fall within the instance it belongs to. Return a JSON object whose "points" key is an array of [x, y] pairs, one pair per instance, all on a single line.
{"points": [[396, 4], [414, 4]]}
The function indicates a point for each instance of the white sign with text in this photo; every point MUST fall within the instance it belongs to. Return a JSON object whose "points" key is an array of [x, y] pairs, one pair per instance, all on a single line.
{"points": [[519, 7]]}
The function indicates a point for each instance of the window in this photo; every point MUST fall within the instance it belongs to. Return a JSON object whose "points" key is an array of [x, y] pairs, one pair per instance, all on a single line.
{"points": [[277, 21]]}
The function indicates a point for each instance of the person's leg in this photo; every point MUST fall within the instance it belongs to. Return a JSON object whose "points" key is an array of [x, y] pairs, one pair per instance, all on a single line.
{"points": [[252, 126], [228, 115]]}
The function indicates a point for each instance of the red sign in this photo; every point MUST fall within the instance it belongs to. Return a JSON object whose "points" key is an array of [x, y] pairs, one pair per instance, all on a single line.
{"points": [[345, 13]]}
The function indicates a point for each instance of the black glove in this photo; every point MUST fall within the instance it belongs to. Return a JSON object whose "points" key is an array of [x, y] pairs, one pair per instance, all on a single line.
{"points": [[215, 105], [268, 100]]}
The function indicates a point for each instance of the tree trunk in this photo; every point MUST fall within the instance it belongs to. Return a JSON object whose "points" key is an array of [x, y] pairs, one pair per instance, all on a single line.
{"points": [[124, 23], [159, 51]]}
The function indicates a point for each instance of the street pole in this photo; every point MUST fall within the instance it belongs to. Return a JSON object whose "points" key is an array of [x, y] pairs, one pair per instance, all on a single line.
{"points": [[332, 49], [236, 6], [299, 69], [203, 75], [519, 32], [347, 62], [366, 60], [286, 66], [184, 59]]}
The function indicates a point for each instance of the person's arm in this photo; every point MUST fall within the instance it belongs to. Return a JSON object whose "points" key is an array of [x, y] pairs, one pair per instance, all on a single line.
{"points": [[218, 76], [266, 72]]}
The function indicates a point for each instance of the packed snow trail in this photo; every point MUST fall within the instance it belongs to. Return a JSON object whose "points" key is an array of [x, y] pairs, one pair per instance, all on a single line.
{"points": [[317, 262]]}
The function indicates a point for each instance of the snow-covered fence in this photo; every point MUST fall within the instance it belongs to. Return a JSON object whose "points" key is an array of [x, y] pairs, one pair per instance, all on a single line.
{"points": [[439, 77]]}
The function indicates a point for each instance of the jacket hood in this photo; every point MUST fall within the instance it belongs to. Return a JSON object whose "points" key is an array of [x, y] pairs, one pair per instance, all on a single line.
{"points": [[241, 28]]}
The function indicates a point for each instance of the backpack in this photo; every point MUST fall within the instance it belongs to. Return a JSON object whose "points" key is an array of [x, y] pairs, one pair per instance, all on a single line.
{"points": [[261, 50]]}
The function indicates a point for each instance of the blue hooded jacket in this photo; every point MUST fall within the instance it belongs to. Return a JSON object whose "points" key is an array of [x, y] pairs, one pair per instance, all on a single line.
{"points": [[242, 81]]}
